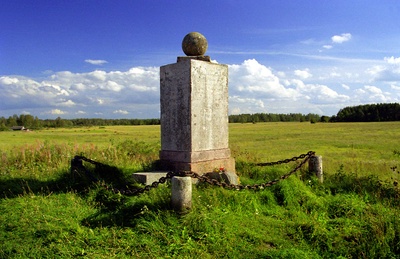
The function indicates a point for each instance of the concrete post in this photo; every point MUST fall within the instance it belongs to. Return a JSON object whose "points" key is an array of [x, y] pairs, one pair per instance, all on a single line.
{"points": [[181, 198], [315, 166]]}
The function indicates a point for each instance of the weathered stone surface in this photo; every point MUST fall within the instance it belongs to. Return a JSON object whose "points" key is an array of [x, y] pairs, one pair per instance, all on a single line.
{"points": [[194, 106], [227, 177], [181, 194], [195, 156], [194, 44], [231, 177], [199, 167], [315, 167]]}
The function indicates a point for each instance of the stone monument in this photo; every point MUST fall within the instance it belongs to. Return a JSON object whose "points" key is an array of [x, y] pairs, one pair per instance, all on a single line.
{"points": [[194, 111]]}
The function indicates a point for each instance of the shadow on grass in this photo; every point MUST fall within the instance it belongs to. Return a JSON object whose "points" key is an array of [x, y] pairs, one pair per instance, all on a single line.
{"points": [[78, 180], [114, 209], [14, 187], [125, 215]]}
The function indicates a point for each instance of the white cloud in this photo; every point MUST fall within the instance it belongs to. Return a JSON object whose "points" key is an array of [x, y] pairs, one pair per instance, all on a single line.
{"points": [[257, 88], [327, 46], [68, 103], [121, 112], [304, 74], [334, 74], [57, 112], [113, 86], [309, 41], [395, 87], [5, 80], [370, 93], [341, 38], [108, 91], [240, 105], [388, 72], [317, 93], [96, 61], [392, 60], [252, 78], [375, 70], [235, 111], [346, 86]]}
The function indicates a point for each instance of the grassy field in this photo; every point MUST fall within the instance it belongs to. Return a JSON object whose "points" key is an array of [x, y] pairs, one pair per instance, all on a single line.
{"points": [[44, 213], [362, 148]]}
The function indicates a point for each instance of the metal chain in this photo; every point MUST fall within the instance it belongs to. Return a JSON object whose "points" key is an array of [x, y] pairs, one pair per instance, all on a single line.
{"points": [[215, 182], [285, 161], [77, 166], [202, 178]]}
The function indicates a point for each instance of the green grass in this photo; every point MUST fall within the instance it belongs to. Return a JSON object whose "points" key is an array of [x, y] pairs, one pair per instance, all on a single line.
{"points": [[45, 213], [362, 148], [99, 136]]}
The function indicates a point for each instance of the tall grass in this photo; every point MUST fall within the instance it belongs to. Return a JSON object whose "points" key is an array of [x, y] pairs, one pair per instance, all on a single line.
{"points": [[45, 213]]}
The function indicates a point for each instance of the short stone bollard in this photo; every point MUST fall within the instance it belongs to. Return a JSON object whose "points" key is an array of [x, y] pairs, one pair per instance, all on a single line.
{"points": [[181, 198], [315, 166]]}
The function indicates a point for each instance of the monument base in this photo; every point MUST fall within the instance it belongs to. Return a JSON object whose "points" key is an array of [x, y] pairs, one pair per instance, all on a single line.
{"points": [[200, 167]]}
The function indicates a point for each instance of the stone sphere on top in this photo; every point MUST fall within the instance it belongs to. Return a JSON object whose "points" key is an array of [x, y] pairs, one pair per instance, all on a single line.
{"points": [[194, 44]]}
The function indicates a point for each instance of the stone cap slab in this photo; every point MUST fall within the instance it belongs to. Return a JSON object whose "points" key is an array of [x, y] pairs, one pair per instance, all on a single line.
{"points": [[202, 58]]}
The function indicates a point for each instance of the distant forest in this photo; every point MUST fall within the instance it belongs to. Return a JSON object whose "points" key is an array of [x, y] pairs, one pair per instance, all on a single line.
{"points": [[31, 122], [369, 113], [360, 113], [272, 117]]}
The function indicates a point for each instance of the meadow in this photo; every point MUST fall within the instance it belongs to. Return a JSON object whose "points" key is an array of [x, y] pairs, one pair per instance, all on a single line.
{"points": [[46, 213]]}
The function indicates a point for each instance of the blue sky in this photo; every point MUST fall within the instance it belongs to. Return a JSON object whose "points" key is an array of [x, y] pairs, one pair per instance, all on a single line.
{"points": [[101, 58]]}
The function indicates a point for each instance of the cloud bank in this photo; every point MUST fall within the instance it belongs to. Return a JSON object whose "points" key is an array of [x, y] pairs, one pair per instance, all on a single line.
{"points": [[253, 87], [134, 92]]}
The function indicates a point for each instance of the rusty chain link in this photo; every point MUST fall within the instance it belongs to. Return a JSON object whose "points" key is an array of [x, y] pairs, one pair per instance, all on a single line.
{"points": [[285, 161], [75, 167], [215, 182]]}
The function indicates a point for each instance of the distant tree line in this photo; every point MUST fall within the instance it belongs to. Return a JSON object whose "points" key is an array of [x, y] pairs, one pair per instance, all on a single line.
{"points": [[369, 113], [360, 113], [33, 122], [271, 117]]}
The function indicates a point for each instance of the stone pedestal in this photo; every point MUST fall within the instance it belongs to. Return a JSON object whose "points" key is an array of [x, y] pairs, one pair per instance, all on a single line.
{"points": [[194, 116]]}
